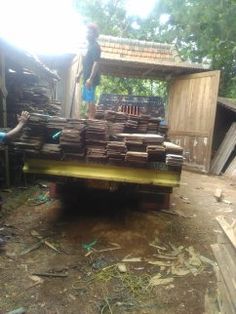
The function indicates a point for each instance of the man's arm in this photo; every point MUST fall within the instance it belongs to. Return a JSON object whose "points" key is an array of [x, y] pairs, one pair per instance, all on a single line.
{"points": [[22, 120], [95, 68], [94, 71], [78, 77]]}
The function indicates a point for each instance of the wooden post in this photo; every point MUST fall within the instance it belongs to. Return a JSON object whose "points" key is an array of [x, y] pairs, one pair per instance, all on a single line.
{"points": [[4, 109], [78, 92]]}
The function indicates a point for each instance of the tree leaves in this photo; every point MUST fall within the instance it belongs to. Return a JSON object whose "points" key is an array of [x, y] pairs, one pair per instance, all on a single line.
{"points": [[203, 31]]}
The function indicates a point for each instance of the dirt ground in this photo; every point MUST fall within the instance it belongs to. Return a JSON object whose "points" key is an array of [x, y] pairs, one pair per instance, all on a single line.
{"points": [[88, 278]]}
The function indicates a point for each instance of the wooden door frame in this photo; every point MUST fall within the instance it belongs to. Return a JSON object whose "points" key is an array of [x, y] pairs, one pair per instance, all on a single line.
{"points": [[214, 95]]}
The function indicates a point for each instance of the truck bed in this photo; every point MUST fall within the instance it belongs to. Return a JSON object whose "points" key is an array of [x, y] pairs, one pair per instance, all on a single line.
{"points": [[104, 172]]}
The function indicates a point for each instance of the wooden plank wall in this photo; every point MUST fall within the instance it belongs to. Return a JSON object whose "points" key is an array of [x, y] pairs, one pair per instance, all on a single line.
{"points": [[225, 150], [231, 170], [191, 116], [225, 254], [195, 150], [69, 90]]}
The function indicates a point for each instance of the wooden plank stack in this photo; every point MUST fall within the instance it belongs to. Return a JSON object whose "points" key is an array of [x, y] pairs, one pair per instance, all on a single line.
{"points": [[114, 128], [116, 151], [72, 139], [96, 138], [225, 150], [131, 126], [231, 170], [153, 125], [56, 123], [136, 157], [174, 160], [26, 93], [33, 136], [51, 151], [174, 154], [144, 123], [93, 141], [172, 148], [225, 254], [100, 114], [113, 116], [163, 130], [156, 153]]}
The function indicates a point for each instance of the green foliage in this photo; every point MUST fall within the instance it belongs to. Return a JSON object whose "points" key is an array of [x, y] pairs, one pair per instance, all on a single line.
{"points": [[127, 86], [203, 31], [112, 19], [110, 16]]}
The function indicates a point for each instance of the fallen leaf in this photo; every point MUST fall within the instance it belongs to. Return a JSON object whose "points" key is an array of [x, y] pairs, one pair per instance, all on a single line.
{"points": [[195, 258], [34, 233], [157, 281], [122, 267], [179, 271], [132, 259], [227, 202], [160, 263], [36, 279], [208, 261]]}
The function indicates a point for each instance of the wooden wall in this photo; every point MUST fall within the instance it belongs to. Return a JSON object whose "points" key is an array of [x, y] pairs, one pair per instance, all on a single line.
{"points": [[72, 106], [191, 116]]}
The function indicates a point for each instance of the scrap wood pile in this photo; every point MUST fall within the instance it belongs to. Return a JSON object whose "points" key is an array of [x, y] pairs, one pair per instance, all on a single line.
{"points": [[225, 254], [144, 123], [153, 105], [27, 93], [167, 264], [95, 140], [225, 157]]}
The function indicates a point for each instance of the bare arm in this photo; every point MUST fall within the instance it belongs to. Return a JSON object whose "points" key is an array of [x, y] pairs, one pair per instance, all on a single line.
{"points": [[94, 71], [79, 76], [23, 118]]}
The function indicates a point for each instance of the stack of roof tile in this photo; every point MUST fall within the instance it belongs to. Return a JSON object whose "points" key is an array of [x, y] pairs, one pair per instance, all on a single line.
{"points": [[26, 94], [156, 153], [72, 140], [115, 128], [174, 154], [143, 123], [136, 157], [100, 114], [174, 160], [54, 122], [96, 140], [163, 130], [172, 148], [116, 151], [131, 126], [153, 125], [51, 151]]}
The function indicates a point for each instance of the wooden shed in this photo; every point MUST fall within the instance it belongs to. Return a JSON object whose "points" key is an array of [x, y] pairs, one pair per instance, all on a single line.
{"points": [[16, 60], [193, 90], [224, 138]]}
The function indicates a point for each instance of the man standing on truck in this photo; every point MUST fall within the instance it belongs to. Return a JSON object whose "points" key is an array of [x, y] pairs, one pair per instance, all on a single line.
{"points": [[90, 71]]}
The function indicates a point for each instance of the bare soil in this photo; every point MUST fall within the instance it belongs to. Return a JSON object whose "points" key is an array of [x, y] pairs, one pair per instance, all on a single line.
{"points": [[82, 290]]}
